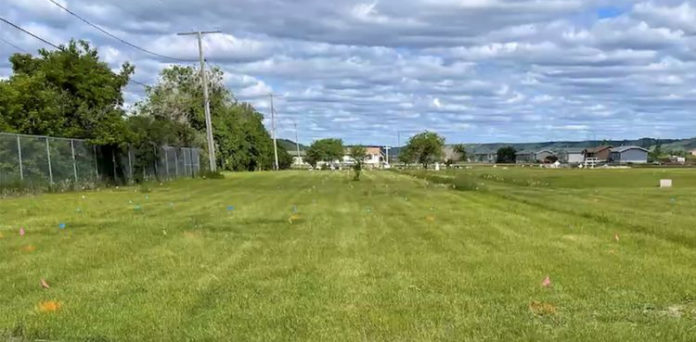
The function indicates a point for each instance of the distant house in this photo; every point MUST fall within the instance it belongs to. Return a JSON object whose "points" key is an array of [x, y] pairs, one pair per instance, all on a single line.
{"points": [[373, 156], [297, 160], [526, 157], [543, 154], [483, 156], [598, 154], [693, 152], [629, 154], [573, 155]]}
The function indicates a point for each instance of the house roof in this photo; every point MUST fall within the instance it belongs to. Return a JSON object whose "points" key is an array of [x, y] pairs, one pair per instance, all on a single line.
{"points": [[597, 149], [521, 153], [294, 153], [622, 149], [575, 150]]}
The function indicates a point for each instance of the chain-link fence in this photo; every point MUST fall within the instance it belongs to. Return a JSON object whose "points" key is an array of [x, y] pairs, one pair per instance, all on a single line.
{"points": [[37, 161]]}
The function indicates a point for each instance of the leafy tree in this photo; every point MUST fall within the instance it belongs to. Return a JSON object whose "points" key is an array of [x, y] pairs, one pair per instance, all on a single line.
{"points": [[67, 92], [424, 148], [242, 142], [506, 155], [147, 135], [656, 153], [461, 150], [326, 150], [358, 154]]}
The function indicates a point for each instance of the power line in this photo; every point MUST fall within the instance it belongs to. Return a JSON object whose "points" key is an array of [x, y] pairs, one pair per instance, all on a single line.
{"points": [[117, 38], [12, 45], [139, 83], [31, 34]]}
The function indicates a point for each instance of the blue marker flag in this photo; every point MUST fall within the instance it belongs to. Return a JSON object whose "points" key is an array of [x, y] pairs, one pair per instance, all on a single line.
{"points": [[230, 207], [61, 225]]}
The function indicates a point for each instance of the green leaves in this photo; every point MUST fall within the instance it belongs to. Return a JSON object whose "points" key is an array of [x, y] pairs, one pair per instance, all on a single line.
{"points": [[242, 142], [424, 148], [68, 93], [326, 150], [506, 155]]}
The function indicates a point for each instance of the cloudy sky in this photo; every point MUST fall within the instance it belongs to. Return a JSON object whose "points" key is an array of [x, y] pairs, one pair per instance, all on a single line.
{"points": [[368, 72]]}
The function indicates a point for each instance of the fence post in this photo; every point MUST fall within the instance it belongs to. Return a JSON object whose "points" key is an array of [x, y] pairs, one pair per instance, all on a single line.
{"points": [[74, 164], [96, 164], [193, 172], [113, 162], [176, 163], [183, 151], [48, 155], [19, 155], [166, 160], [154, 163], [130, 164]]}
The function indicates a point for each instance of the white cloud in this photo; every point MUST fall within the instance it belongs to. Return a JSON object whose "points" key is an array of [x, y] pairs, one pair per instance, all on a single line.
{"points": [[497, 69]]}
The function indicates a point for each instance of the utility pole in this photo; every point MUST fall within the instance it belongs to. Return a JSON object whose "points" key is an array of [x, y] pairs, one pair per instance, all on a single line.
{"points": [[204, 80], [297, 144], [273, 130]]}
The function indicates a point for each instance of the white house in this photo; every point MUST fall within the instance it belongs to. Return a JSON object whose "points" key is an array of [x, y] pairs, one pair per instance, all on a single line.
{"points": [[573, 156], [298, 160], [373, 156], [629, 154]]}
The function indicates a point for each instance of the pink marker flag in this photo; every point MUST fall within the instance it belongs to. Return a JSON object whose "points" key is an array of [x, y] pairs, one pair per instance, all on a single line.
{"points": [[546, 282], [21, 232]]}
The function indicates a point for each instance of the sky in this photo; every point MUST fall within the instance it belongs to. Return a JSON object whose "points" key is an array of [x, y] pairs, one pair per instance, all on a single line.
{"points": [[377, 72]]}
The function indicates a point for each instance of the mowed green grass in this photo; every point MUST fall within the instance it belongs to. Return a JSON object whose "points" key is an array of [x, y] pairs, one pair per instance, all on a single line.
{"points": [[391, 257]]}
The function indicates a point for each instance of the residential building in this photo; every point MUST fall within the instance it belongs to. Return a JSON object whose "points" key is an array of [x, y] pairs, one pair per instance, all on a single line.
{"points": [[373, 156], [573, 155], [598, 154], [629, 154], [542, 155], [297, 160], [484, 157], [526, 157]]}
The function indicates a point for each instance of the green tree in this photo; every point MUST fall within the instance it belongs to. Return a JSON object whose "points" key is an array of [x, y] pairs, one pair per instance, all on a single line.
{"points": [[147, 134], [358, 154], [460, 149], [424, 148], [506, 155], [242, 142], [656, 153], [67, 92], [326, 150]]}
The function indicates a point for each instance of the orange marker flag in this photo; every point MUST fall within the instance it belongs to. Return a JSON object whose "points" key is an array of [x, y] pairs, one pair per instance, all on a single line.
{"points": [[546, 282]]}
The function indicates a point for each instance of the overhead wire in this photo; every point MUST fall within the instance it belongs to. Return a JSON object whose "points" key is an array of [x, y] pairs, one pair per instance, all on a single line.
{"points": [[13, 45], [116, 37], [44, 41], [30, 33]]}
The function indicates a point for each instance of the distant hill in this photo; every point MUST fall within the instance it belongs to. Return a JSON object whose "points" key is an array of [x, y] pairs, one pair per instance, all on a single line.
{"points": [[289, 145]]}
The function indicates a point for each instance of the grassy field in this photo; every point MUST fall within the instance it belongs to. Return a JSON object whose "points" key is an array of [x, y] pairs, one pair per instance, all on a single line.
{"points": [[316, 256]]}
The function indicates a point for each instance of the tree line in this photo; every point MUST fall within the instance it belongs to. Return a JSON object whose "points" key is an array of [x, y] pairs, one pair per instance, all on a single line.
{"points": [[71, 92]]}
